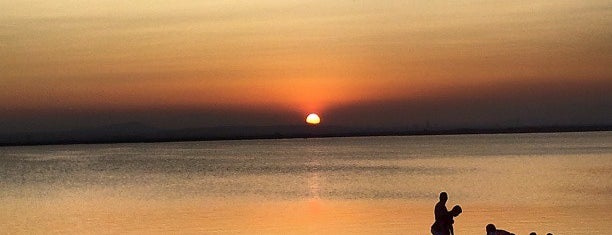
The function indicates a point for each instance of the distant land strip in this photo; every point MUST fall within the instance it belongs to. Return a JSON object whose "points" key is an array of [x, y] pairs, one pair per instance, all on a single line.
{"points": [[138, 133]]}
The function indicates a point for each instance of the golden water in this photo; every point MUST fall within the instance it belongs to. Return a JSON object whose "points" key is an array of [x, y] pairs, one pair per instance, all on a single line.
{"points": [[559, 183]]}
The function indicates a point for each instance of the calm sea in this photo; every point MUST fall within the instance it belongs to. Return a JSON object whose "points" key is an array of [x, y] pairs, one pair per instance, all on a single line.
{"points": [[558, 183]]}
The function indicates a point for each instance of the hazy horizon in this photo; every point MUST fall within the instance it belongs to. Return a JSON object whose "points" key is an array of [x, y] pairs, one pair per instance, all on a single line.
{"points": [[182, 64]]}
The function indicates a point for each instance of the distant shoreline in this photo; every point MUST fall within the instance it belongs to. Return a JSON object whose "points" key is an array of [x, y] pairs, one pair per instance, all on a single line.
{"points": [[203, 134]]}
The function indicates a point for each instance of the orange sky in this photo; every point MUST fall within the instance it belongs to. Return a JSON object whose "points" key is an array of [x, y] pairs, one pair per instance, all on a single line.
{"points": [[302, 56]]}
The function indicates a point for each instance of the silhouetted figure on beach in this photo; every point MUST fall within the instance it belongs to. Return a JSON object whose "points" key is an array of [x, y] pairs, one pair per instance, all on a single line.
{"points": [[491, 230], [444, 218], [453, 213]]}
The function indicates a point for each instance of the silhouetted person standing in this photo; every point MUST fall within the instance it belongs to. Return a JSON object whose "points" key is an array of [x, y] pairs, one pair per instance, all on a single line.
{"points": [[444, 218]]}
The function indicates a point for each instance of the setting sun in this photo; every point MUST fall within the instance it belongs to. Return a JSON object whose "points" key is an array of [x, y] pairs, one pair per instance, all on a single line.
{"points": [[313, 119]]}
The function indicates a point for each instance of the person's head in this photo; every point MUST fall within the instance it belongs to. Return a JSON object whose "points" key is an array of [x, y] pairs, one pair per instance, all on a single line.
{"points": [[533, 233], [443, 197], [456, 211], [491, 228]]}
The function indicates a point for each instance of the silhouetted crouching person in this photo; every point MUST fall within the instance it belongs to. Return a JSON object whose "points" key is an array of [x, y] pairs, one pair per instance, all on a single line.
{"points": [[491, 230], [444, 218]]}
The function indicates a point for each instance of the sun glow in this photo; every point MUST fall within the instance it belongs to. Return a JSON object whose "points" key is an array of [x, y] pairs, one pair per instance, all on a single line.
{"points": [[313, 119]]}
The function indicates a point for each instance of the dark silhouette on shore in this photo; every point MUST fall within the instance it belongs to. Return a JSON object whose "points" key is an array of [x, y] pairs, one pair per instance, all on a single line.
{"points": [[534, 233], [492, 230], [444, 218]]}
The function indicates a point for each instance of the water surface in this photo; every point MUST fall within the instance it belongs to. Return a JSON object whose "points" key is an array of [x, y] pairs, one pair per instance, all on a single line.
{"points": [[559, 183]]}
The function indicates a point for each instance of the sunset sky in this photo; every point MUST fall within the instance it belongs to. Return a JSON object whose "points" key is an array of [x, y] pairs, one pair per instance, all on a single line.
{"points": [[70, 64]]}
